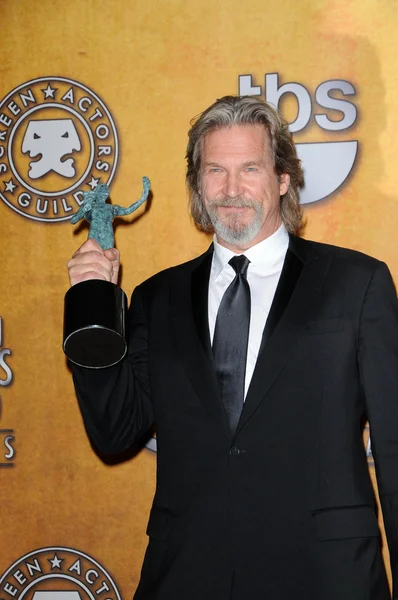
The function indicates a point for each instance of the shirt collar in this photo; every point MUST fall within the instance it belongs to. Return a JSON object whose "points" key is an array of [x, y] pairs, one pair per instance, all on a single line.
{"points": [[264, 256]]}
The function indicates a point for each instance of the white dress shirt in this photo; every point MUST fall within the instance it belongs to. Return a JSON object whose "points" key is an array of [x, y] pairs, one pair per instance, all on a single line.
{"points": [[266, 262]]}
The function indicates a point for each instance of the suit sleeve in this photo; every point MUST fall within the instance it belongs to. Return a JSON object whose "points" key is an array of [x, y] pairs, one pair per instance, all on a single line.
{"points": [[378, 361], [115, 402]]}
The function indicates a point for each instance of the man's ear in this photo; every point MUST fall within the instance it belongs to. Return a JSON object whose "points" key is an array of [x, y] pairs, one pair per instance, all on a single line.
{"points": [[284, 182]]}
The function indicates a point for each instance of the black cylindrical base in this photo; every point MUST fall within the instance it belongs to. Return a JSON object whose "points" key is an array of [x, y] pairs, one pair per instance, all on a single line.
{"points": [[95, 324]]}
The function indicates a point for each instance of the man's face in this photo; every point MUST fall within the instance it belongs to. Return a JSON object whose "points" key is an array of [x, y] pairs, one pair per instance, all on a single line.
{"points": [[239, 186]]}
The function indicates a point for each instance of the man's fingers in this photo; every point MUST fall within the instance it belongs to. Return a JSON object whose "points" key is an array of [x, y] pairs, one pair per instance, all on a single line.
{"points": [[90, 261], [97, 270], [86, 276], [89, 257], [89, 245]]}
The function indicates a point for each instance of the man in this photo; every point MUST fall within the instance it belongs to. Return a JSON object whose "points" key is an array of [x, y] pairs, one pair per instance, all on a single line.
{"points": [[258, 374]]}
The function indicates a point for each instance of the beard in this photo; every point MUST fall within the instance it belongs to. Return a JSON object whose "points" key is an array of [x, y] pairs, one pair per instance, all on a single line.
{"points": [[231, 228]]}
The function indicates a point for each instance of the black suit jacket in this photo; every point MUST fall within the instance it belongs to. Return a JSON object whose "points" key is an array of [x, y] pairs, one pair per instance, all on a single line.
{"points": [[284, 508]]}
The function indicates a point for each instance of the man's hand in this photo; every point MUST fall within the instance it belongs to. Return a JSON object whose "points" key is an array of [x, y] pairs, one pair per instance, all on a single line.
{"points": [[90, 261]]}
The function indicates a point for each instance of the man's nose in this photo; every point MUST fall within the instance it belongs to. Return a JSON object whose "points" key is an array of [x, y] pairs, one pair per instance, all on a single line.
{"points": [[233, 185]]}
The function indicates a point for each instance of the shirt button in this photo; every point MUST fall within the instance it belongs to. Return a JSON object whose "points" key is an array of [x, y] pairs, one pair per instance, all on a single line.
{"points": [[234, 451]]}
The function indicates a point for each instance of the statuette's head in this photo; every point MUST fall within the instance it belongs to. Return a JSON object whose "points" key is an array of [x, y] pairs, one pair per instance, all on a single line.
{"points": [[101, 193]]}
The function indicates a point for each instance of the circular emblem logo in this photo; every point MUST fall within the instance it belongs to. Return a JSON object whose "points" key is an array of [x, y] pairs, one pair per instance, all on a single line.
{"points": [[57, 574], [57, 140]]}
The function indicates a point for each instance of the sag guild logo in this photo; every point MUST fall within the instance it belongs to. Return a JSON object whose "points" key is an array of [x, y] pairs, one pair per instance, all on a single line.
{"points": [[57, 140], [57, 574]]}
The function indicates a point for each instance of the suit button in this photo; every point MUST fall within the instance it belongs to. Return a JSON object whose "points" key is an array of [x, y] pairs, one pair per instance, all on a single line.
{"points": [[234, 451]]}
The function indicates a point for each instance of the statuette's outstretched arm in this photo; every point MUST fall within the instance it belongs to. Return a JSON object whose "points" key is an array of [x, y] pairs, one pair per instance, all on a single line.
{"points": [[86, 207], [120, 211]]}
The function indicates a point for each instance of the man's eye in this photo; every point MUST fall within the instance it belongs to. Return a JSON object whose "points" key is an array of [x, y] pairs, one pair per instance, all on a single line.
{"points": [[250, 169]]}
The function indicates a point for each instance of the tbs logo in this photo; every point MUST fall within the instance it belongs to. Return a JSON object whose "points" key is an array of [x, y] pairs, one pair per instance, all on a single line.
{"points": [[326, 165]]}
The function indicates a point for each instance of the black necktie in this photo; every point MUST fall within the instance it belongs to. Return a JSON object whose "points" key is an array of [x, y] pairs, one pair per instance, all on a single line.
{"points": [[230, 340]]}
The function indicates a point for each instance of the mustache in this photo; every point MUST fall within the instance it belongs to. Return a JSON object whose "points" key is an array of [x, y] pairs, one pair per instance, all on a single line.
{"points": [[236, 202]]}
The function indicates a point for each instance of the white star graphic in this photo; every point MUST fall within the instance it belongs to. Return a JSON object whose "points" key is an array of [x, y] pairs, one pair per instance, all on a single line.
{"points": [[9, 186], [93, 183], [49, 92], [55, 562]]}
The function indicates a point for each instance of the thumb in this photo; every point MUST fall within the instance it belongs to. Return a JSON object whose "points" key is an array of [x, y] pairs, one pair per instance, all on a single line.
{"points": [[111, 253]]}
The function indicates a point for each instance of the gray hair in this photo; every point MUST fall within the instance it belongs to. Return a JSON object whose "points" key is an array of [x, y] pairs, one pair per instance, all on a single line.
{"points": [[245, 110]]}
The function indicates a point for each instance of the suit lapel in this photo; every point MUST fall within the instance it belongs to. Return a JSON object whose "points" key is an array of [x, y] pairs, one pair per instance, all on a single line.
{"points": [[295, 300], [191, 330], [199, 301], [290, 273]]}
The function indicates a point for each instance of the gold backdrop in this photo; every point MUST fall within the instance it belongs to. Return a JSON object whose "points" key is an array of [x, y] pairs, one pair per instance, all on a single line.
{"points": [[153, 65]]}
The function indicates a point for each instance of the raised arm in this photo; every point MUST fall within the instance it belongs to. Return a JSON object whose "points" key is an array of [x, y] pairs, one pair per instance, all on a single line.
{"points": [[89, 199], [115, 401], [82, 212], [120, 211]]}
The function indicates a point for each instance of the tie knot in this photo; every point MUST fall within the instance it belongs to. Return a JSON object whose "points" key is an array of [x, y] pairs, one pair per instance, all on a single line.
{"points": [[239, 264]]}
